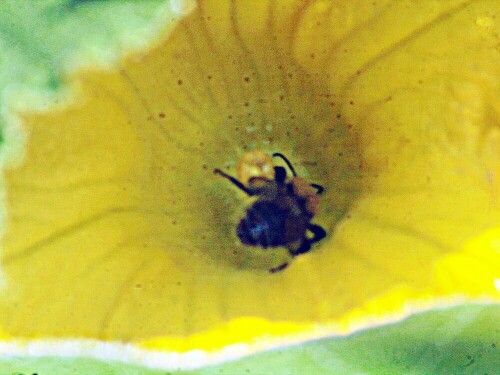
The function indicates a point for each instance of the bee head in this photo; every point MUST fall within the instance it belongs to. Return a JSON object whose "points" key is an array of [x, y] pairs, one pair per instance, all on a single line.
{"points": [[255, 167]]}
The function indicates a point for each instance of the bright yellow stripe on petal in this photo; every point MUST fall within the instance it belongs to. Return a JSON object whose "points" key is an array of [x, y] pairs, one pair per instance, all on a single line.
{"points": [[241, 330], [475, 269], [389, 307]]}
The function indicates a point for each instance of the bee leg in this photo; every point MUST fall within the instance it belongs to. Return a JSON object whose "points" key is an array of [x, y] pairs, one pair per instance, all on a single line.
{"points": [[304, 247], [319, 189], [234, 181], [281, 267], [318, 233]]}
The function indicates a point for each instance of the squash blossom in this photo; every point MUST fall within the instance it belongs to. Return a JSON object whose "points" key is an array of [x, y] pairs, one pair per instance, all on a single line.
{"points": [[117, 232]]}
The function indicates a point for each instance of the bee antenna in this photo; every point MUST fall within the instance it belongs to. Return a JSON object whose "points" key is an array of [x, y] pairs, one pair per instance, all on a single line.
{"points": [[285, 159]]}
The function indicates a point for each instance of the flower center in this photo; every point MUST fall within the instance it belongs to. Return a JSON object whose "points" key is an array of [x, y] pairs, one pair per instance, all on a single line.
{"points": [[225, 97]]}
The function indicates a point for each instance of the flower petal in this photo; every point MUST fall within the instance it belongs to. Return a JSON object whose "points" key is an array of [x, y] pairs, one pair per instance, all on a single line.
{"points": [[120, 231]]}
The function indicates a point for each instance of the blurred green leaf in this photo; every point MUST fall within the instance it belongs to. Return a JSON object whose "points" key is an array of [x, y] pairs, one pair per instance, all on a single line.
{"points": [[40, 40], [37, 37], [462, 340]]}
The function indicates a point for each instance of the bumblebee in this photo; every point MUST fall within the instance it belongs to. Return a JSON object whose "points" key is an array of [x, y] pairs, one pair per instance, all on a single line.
{"points": [[281, 216]]}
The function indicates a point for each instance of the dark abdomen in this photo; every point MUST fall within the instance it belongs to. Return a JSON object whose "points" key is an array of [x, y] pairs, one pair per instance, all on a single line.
{"points": [[264, 225]]}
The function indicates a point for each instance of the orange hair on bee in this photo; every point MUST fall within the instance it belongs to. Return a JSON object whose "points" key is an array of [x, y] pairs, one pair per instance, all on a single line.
{"points": [[303, 189]]}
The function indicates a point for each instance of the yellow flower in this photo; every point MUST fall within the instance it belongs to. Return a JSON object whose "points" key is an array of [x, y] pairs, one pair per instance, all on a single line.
{"points": [[119, 231]]}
